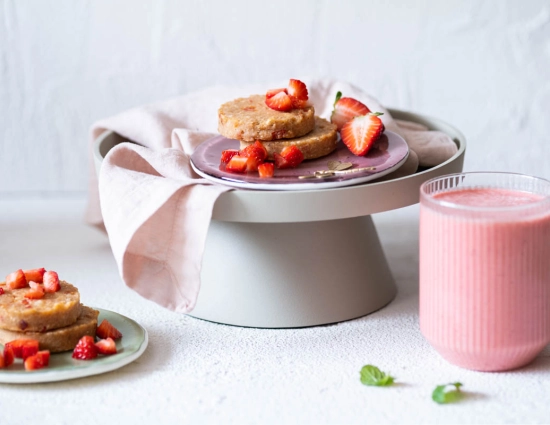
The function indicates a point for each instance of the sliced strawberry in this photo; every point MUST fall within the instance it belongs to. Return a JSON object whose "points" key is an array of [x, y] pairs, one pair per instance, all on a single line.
{"points": [[293, 155], [297, 89], [107, 330], [280, 102], [266, 170], [237, 164], [227, 155], [16, 280], [345, 109], [9, 356], [23, 348], [360, 133], [273, 92], [37, 361], [256, 149], [36, 292], [298, 103], [36, 275], [85, 349], [106, 346], [51, 282]]}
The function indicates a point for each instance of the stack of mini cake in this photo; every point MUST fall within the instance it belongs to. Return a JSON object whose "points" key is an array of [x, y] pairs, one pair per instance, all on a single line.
{"points": [[57, 320], [256, 118]]}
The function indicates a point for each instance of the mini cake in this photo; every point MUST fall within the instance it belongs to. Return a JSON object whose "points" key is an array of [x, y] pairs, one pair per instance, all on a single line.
{"points": [[55, 310], [61, 339], [249, 119], [319, 142]]}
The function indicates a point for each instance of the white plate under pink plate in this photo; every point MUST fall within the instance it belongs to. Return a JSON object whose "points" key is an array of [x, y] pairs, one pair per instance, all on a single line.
{"points": [[387, 155]]}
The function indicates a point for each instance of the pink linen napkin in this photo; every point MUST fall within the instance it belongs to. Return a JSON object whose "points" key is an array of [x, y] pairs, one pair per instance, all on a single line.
{"points": [[156, 209]]}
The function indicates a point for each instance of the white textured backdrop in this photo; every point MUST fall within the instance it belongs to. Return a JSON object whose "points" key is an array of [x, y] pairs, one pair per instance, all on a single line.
{"points": [[63, 64]]}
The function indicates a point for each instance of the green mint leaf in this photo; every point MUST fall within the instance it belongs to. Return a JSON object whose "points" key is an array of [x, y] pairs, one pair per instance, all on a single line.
{"points": [[371, 375], [338, 96], [441, 396]]}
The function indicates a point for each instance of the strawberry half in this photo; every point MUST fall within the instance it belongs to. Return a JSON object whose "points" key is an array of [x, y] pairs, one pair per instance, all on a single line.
{"points": [[360, 133], [273, 92], [298, 90], [16, 280], [36, 275], [9, 356], [237, 164], [279, 102], [107, 330], [227, 155], [266, 170], [37, 361], [36, 292], [51, 282], [22, 348], [85, 349], [106, 346], [345, 109]]}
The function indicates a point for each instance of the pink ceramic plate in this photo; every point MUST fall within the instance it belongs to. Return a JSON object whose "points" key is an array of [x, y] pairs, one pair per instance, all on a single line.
{"points": [[387, 155]]}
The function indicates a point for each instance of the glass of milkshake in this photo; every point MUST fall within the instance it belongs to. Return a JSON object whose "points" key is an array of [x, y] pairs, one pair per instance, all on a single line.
{"points": [[485, 268]]}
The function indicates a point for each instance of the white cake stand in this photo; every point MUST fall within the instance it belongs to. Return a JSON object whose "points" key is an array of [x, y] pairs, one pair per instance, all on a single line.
{"points": [[303, 258]]}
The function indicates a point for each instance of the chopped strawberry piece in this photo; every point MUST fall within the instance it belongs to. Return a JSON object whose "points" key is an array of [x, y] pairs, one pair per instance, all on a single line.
{"points": [[85, 349], [16, 280], [37, 361], [280, 161], [227, 155], [1, 291], [256, 149], [36, 292], [51, 282], [273, 92], [280, 102], [107, 330], [36, 275], [237, 164], [106, 346], [297, 89], [293, 155], [345, 109], [266, 170], [9, 356], [23, 348], [298, 103], [360, 133], [253, 163]]}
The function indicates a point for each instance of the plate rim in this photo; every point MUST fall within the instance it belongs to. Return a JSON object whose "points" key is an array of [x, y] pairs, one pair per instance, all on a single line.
{"points": [[90, 369], [306, 186]]}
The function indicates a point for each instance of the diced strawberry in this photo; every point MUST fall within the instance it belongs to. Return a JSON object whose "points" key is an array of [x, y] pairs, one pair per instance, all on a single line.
{"points": [[345, 109], [36, 275], [16, 280], [107, 330], [37, 361], [280, 102], [1, 291], [9, 356], [227, 155], [237, 164], [36, 292], [253, 163], [23, 348], [297, 89], [360, 133], [256, 149], [280, 161], [293, 155], [106, 346], [266, 170], [51, 282], [85, 349], [273, 92]]}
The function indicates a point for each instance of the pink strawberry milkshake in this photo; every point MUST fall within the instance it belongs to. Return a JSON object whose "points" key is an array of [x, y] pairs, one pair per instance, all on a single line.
{"points": [[485, 268]]}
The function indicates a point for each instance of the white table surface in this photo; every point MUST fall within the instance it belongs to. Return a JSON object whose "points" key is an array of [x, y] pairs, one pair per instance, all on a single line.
{"points": [[196, 372]]}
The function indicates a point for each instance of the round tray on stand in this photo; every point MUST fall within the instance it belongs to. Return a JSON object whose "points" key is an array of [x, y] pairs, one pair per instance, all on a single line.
{"points": [[302, 258]]}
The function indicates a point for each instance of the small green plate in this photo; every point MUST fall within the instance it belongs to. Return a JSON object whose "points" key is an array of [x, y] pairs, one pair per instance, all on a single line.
{"points": [[62, 366]]}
